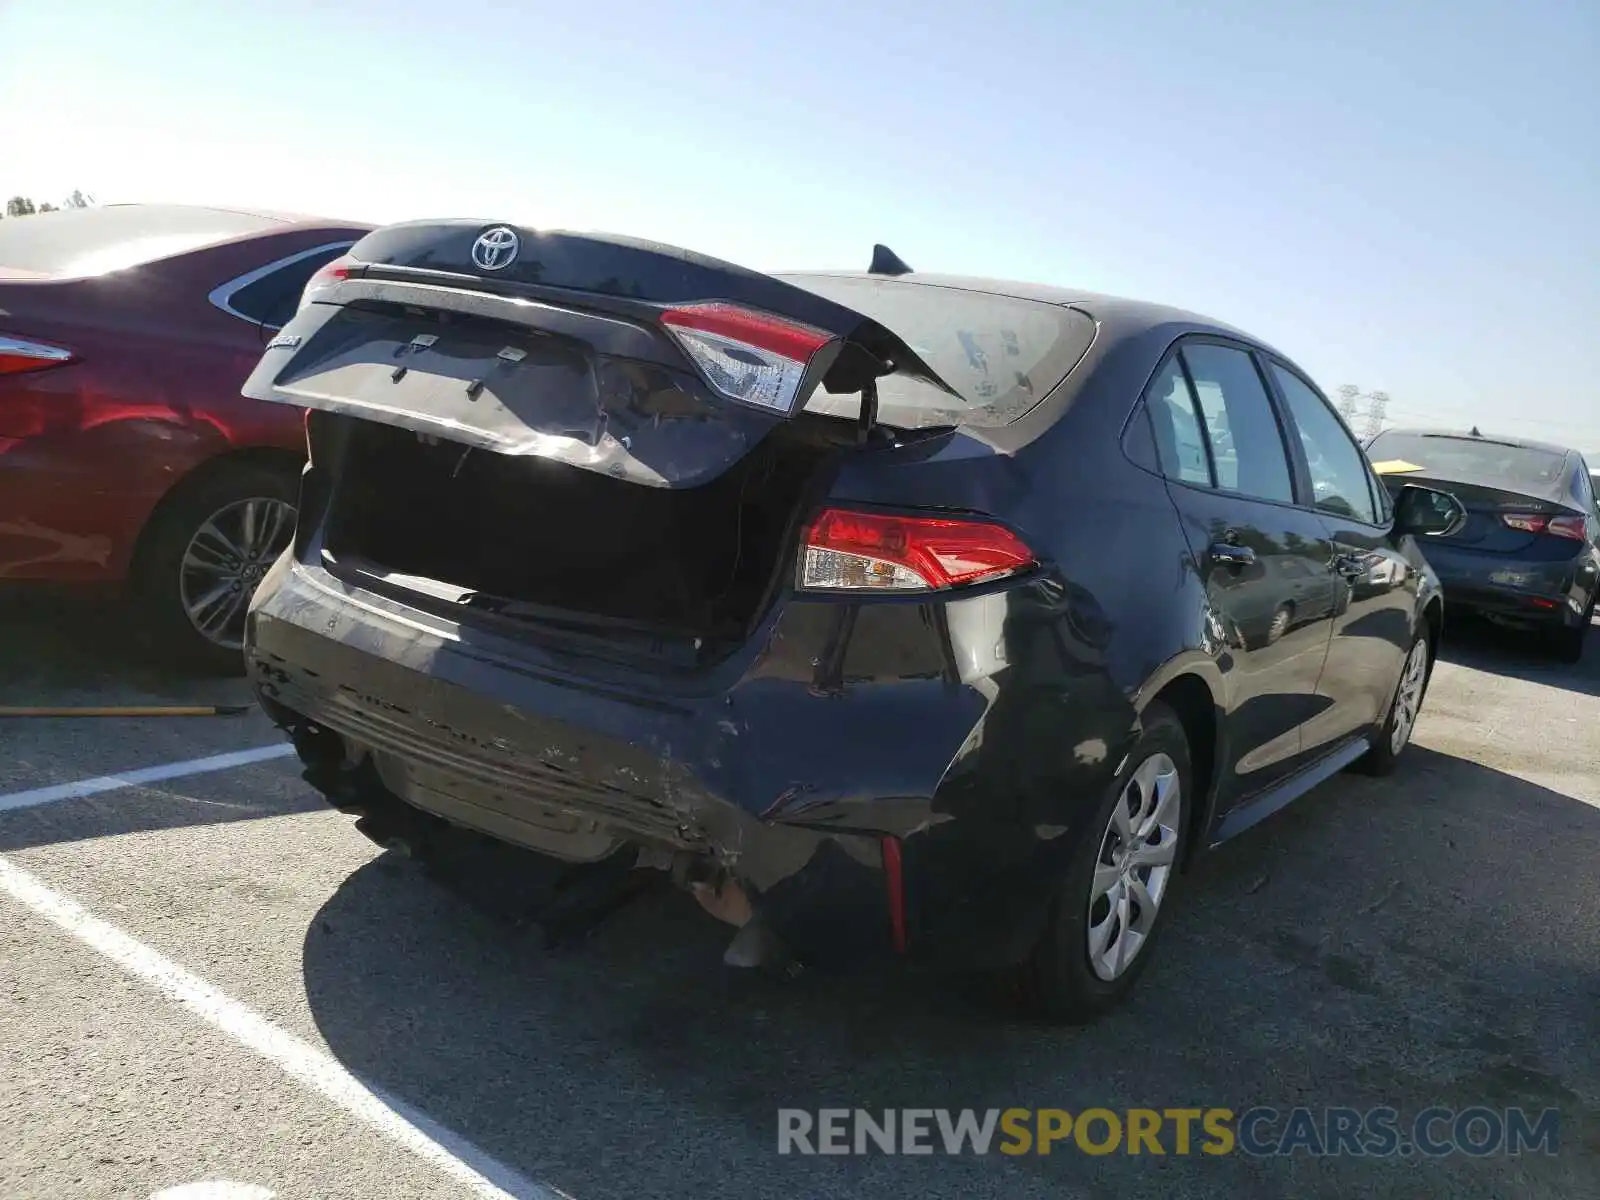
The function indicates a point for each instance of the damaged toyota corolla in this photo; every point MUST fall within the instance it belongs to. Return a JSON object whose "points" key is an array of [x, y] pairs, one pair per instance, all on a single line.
{"points": [[889, 613]]}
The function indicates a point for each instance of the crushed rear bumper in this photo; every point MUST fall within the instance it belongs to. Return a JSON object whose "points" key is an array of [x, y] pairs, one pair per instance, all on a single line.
{"points": [[795, 784]]}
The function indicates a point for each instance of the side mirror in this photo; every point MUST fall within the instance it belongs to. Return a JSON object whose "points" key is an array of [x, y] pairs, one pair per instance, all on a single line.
{"points": [[1427, 512]]}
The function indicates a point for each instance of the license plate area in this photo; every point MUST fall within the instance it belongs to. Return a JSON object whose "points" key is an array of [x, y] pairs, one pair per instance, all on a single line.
{"points": [[505, 383]]}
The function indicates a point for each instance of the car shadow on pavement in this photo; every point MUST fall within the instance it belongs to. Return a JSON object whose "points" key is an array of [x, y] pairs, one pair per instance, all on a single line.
{"points": [[1431, 939], [70, 647], [1470, 641]]}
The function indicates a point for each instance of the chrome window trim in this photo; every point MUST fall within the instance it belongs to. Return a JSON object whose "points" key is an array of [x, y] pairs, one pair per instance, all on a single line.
{"points": [[23, 348], [222, 295]]}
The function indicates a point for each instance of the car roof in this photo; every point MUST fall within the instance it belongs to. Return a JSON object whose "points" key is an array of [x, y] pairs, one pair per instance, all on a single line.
{"points": [[72, 241], [1124, 316], [267, 218], [1495, 438]]}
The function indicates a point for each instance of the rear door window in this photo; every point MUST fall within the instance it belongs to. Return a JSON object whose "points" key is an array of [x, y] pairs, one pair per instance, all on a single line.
{"points": [[1180, 442], [1340, 483], [1247, 451]]}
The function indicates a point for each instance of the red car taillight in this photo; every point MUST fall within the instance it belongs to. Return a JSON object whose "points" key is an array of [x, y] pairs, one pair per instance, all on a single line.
{"points": [[1569, 527], [749, 356], [1566, 527], [18, 355], [847, 550], [326, 275]]}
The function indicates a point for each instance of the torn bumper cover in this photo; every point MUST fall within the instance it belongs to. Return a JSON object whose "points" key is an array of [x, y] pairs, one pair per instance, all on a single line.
{"points": [[458, 722]]}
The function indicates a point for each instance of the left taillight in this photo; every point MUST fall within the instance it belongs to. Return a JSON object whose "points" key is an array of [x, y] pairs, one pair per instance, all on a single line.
{"points": [[845, 550], [20, 355], [749, 356], [325, 277]]}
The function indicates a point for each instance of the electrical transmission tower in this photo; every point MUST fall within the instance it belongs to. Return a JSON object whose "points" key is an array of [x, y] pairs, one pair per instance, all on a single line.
{"points": [[1377, 406], [1349, 393]]}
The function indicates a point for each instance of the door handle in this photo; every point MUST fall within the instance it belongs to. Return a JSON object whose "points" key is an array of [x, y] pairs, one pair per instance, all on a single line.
{"points": [[1351, 566], [1232, 554]]}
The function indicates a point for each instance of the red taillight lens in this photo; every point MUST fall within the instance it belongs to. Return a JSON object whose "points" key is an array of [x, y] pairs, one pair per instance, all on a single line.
{"points": [[1527, 522], [18, 355], [749, 356], [847, 550], [1570, 527], [1567, 527], [326, 275]]}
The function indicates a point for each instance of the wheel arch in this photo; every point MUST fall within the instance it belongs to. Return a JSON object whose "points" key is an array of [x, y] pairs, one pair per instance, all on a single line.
{"points": [[1433, 621], [1194, 699], [273, 458]]}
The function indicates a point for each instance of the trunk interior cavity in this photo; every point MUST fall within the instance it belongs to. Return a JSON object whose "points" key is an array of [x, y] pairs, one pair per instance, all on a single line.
{"points": [[693, 561]]}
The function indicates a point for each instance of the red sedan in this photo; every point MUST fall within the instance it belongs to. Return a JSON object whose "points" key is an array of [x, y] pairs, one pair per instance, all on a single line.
{"points": [[127, 454]]}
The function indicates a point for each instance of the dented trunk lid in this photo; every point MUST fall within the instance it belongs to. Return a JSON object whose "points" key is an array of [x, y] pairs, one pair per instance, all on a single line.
{"points": [[604, 353]]}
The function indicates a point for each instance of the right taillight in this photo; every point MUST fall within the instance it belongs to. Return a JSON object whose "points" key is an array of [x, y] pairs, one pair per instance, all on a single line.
{"points": [[1569, 527], [19, 355], [846, 550], [326, 276]]}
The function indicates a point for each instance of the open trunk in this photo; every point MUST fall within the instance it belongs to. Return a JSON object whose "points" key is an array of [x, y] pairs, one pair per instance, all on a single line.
{"points": [[527, 537], [555, 426]]}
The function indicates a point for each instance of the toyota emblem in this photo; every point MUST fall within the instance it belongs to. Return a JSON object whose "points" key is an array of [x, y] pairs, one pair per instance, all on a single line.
{"points": [[496, 248]]}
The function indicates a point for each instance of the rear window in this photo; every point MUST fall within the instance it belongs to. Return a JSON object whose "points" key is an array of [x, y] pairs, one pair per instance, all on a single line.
{"points": [[1000, 353], [92, 241], [1467, 460], [271, 299]]}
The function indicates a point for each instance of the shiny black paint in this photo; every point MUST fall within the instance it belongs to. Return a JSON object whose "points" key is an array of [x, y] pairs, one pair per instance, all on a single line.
{"points": [[1512, 575], [1520, 579], [980, 728]]}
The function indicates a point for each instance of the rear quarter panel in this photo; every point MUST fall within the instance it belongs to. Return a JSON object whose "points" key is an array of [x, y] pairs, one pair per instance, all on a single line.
{"points": [[1059, 667]]}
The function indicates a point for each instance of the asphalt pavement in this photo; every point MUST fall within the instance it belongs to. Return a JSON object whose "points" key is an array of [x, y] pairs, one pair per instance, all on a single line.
{"points": [[211, 979]]}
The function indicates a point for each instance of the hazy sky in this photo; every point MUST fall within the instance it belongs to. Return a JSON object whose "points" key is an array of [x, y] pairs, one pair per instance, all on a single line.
{"points": [[1405, 196]]}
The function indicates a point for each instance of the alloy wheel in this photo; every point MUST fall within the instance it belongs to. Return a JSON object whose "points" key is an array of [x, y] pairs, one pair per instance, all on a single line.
{"points": [[1137, 854], [1280, 624], [1408, 699], [225, 560]]}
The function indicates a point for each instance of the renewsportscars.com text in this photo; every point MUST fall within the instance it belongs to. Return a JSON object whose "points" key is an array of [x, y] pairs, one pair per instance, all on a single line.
{"points": [[1258, 1132]]}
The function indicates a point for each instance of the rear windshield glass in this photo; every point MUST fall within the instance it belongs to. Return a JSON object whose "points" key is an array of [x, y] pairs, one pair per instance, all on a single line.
{"points": [[1001, 353], [1466, 459], [93, 241]]}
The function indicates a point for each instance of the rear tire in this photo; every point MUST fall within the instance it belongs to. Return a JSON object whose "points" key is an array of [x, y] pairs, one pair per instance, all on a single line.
{"points": [[1094, 927], [1404, 709], [1565, 643], [228, 499]]}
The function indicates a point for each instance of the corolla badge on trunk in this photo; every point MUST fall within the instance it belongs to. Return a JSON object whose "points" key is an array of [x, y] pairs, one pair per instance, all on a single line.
{"points": [[496, 248]]}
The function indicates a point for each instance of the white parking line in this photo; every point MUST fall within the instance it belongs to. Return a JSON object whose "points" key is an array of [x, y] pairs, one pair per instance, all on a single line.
{"points": [[308, 1065], [110, 783]]}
